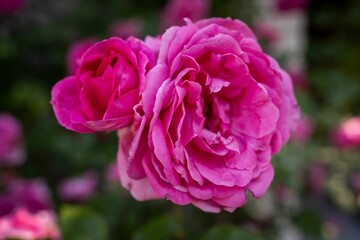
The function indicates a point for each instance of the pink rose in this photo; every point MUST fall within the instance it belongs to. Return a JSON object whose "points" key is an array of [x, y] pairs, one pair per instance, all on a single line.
{"points": [[176, 10], [286, 5], [78, 189], [75, 52], [30, 194], [127, 28], [11, 150], [213, 111], [11, 6], [348, 133], [22, 224], [102, 94], [267, 32], [298, 76]]}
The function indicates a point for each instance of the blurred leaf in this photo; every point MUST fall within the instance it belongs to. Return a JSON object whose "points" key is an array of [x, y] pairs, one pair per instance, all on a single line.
{"points": [[309, 222], [160, 228], [227, 232], [81, 223]]}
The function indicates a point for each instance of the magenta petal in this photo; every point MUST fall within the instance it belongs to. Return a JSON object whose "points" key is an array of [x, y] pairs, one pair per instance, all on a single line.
{"points": [[139, 189], [237, 26], [65, 100], [206, 206], [237, 199], [139, 147], [256, 116], [154, 79], [109, 124], [163, 188], [162, 153], [260, 185]]}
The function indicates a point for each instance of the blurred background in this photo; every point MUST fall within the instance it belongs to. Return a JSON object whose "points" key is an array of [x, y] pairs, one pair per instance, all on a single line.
{"points": [[63, 183]]}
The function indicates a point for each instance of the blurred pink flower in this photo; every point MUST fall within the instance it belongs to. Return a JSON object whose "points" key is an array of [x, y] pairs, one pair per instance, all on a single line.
{"points": [[267, 32], [24, 225], [317, 177], [126, 28], [30, 194], [112, 173], [304, 130], [11, 150], [8, 7], [79, 188], [286, 5], [75, 52], [348, 133], [298, 76], [176, 10]]}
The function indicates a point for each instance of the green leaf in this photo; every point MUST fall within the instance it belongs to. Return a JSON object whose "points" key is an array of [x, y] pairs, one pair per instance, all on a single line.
{"points": [[160, 228], [82, 223], [227, 232]]}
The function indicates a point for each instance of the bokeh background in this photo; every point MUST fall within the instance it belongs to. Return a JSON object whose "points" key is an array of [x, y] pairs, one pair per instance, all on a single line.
{"points": [[43, 167]]}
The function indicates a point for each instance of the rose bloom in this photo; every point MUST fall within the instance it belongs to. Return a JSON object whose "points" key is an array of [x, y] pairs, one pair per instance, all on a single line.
{"points": [[127, 28], [102, 94], [30, 194], [298, 76], [75, 52], [348, 133], [8, 7], [22, 224], [80, 188], [176, 10], [286, 5], [214, 110], [11, 150], [267, 32]]}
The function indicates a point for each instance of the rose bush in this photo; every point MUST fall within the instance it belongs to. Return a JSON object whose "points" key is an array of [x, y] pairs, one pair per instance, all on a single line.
{"points": [[214, 110], [24, 225], [105, 88], [11, 149]]}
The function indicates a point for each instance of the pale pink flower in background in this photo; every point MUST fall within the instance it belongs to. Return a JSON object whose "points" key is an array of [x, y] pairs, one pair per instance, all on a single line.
{"points": [[126, 28], [304, 130], [11, 149], [8, 7], [267, 32], [112, 173], [286, 5], [30, 194], [348, 133], [79, 188], [24, 225], [106, 87], [75, 52], [214, 110], [298, 76], [176, 10]]}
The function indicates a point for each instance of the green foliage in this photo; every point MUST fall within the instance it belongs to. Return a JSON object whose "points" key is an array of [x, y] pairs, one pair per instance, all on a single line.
{"points": [[227, 232], [82, 223]]}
